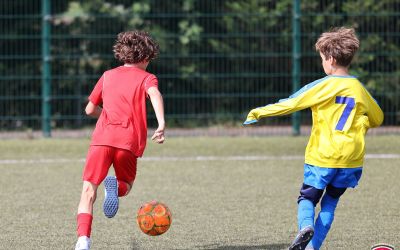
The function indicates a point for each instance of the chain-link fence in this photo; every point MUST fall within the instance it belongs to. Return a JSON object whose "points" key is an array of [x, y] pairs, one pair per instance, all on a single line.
{"points": [[218, 58]]}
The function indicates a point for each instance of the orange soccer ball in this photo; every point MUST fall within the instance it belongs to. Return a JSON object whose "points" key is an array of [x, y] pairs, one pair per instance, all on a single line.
{"points": [[154, 218]]}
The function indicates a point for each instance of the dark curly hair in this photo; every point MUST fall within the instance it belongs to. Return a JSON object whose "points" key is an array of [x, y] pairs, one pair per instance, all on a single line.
{"points": [[135, 47]]}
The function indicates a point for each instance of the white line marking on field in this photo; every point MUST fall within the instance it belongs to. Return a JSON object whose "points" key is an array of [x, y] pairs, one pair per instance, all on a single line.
{"points": [[382, 156], [222, 158], [39, 161], [186, 158]]}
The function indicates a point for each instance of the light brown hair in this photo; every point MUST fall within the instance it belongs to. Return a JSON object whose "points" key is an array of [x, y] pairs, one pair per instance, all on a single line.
{"points": [[340, 43], [135, 47]]}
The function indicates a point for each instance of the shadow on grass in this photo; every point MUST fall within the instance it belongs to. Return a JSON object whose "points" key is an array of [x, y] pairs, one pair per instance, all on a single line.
{"points": [[278, 246], [135, 246]]}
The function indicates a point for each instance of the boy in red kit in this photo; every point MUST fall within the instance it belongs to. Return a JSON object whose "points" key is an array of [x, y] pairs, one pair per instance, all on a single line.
{"points": [[119, 102]]}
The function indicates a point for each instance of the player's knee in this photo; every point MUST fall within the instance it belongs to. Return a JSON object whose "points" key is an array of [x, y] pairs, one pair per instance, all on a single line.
{"points": [[310, 193], [129, 188], [335, 192], [123, 188]]}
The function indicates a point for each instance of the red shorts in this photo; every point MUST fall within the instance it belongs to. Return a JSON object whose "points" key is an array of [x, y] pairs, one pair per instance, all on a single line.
{"points": [[99, 160]]}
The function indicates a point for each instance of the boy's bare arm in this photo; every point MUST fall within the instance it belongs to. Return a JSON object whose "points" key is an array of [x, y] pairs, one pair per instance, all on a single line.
{"points": [[93, 110], [158, 106]]}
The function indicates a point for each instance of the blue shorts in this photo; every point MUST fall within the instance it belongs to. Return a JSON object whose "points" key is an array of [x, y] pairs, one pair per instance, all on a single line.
{"points": [[338, 177]]}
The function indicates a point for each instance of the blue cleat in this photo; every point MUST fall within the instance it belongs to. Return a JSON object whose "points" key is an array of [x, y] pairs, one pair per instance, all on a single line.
{"points": [[302, 239], [110, 205]]}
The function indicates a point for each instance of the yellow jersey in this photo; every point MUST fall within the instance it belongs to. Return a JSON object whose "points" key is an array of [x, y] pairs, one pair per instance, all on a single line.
{"points": [[342, 112]]}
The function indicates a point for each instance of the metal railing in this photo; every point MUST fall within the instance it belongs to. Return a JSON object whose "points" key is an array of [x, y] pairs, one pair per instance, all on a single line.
{"points": [[218, 59]]}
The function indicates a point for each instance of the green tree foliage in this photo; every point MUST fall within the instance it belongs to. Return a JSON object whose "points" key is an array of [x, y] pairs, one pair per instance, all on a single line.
{"points": [[218, 58]]}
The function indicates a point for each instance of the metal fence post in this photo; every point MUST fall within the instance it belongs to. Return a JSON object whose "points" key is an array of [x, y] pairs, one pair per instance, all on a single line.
{"points": [[46, 69], [296, 54]]}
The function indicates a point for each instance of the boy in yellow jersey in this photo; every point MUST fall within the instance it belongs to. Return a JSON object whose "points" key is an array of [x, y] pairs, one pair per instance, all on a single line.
{"points": [[342, 112]]}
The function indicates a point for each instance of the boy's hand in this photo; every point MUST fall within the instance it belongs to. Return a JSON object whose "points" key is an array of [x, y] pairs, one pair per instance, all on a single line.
{"points": [[159, 135], [158, 106]]}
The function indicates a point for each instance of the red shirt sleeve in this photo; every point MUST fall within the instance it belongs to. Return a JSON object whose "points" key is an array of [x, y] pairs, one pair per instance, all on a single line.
{"points": [[96, 95], [150, 81]]}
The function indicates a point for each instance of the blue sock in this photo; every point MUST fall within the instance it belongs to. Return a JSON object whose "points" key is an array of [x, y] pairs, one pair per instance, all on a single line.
{"points": [[324, 220], [305, 214]]}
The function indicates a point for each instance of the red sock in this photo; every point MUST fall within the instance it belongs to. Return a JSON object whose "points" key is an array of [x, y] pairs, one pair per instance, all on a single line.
{"points": [[84, 224], [122, 188]]}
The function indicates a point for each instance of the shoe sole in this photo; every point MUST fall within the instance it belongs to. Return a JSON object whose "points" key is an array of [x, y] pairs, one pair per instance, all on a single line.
{"points": [[302, 240], [111, 202]]}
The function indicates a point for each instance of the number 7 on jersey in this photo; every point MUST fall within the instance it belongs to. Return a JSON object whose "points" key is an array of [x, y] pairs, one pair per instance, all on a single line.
{"points": [[350, 103]]}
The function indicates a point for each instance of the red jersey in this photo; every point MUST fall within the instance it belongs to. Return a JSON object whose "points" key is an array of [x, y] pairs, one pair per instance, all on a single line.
{"points": [[123, 121]]}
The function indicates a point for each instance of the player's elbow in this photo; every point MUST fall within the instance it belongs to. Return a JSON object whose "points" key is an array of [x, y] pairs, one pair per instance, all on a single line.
{"points": [[377, 122]]}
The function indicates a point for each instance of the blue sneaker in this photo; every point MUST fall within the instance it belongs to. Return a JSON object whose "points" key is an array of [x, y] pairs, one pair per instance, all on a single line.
{"points": [[302, 239], [110, 205]]}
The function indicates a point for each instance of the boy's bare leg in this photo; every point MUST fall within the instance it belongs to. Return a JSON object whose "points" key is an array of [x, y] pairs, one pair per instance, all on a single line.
{"points": [[84, 217], [88, 197]]}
